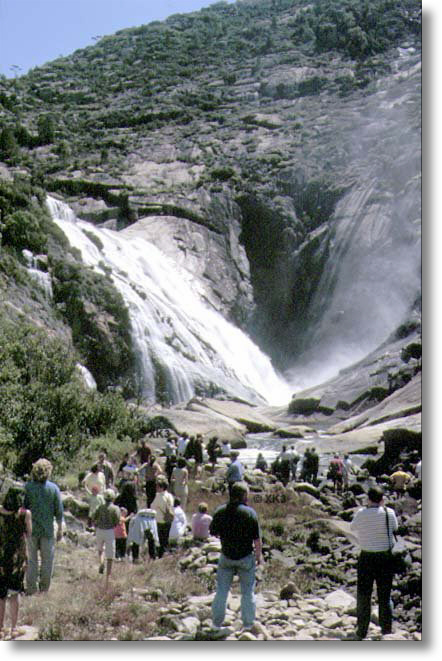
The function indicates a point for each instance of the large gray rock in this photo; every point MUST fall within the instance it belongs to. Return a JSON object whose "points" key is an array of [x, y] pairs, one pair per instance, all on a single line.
{"points": [[245, 414]]}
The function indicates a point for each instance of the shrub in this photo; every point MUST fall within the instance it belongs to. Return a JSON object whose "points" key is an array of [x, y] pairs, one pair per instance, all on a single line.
{"points": [[45, 410]]}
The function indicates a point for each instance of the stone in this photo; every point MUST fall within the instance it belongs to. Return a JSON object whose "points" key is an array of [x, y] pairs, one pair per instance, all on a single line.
{"points": [[247, 635], [332, 622], [190, 624], [339, 600]]}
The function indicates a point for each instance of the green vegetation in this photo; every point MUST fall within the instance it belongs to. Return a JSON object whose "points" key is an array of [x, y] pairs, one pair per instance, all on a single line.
{"points": [[45, 409], [359, 28], [185, 69], [99, 320]]}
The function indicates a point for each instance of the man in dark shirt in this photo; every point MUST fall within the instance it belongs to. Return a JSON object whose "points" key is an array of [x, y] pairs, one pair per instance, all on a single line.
{"points": [[238, 528]]}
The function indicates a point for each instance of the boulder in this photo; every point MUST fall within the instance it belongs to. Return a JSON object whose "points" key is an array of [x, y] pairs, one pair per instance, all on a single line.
{"points": [[247, 415], [339, 600]]}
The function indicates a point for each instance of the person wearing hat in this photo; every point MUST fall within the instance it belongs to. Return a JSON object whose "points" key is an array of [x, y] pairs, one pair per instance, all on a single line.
{"points": [[43, 499], [235, 470], [106, 517]]}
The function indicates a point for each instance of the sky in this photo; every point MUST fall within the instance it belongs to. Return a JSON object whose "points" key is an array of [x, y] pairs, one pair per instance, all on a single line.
{"points": [[33, 32]]}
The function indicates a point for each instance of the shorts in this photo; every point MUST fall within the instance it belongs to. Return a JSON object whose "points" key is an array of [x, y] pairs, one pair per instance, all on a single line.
{"points": [[106, 538]]}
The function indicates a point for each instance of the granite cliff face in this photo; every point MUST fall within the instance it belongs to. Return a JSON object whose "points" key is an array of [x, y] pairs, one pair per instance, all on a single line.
{"points": [[279, 166]]}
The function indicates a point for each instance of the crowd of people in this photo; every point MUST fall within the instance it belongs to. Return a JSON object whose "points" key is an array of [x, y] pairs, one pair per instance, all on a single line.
{"points": [[126, 527]]}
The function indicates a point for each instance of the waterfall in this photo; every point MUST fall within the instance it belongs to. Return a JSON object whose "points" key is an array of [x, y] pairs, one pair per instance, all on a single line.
{"points": [[87, 377], [372, 275], [42, 278], [179, 341]]}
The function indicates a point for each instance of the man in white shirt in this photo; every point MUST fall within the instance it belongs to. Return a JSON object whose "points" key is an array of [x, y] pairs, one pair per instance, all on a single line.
{"points": [[374, 562]]}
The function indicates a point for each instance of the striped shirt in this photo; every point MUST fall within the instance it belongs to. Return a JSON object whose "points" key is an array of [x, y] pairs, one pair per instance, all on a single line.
{"points": [[370, 525]]}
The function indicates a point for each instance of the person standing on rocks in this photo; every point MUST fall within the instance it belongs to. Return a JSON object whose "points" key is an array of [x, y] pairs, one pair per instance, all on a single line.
{"points": [[235, 470], [374, 562], [180, 482], [236, 524], [306, 466], [95, 478], [163, 506], [153, 471], [106, 517], [105, 467], [43, 499], [347, 469], [15, 528], [213, 450], [294, 462], [284, 458], [335, 472], [198, 456], [314, 466]]}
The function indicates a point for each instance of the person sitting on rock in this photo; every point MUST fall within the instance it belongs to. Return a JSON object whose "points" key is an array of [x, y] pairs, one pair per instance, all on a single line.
{"points": [[200, 523]]}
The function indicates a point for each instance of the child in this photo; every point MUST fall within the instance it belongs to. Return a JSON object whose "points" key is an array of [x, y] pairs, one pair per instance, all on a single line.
{"points": [[106, 517], [95, 499], [179, 523], [120, 532]]}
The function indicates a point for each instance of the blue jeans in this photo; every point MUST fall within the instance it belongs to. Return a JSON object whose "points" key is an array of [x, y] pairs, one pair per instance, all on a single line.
{"points": [[245, 567], [46, 546]]}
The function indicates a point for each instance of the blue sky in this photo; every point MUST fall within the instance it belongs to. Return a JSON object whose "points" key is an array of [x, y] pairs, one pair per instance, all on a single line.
{"points": [[33, 32]]}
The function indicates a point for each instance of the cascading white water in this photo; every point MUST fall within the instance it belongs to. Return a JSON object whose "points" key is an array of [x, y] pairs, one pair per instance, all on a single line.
{"points": [[41, 277], [372, 275], [178, 339]]}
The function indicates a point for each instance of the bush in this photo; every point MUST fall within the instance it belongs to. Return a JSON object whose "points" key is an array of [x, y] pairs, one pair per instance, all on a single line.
{"points": [[45, 410], [24, 229]]}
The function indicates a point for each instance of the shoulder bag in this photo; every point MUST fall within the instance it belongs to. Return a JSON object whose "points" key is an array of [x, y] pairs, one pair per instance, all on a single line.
{"points": [[400, 557]]}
